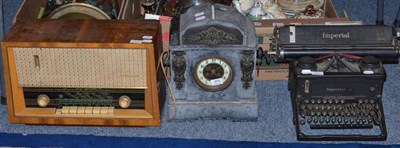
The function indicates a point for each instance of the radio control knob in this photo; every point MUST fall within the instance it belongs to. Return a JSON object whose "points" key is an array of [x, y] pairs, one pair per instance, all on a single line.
{"points": [[43, 100], [124, 101]]}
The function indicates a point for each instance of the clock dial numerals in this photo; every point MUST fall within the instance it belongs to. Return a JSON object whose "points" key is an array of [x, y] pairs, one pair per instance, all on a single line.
{"points": [[213, 73]]}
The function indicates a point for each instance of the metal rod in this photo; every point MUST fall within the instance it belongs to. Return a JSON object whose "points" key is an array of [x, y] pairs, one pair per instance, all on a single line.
{"points": [[390, 54]]}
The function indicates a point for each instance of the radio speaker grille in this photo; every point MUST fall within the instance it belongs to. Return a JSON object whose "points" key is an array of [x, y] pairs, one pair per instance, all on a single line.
{"points": [[81, 67]]}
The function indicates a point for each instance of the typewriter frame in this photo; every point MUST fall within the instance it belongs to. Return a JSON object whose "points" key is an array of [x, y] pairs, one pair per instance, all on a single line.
{"points": [[293, 88]]}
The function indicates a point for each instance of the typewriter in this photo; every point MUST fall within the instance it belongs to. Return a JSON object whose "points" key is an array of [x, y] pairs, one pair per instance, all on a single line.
{"points": [[336, 78], [338, 97]]}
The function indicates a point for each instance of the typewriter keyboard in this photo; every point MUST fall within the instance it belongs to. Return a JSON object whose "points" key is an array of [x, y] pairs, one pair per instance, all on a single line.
{"points": [[339, 113]]}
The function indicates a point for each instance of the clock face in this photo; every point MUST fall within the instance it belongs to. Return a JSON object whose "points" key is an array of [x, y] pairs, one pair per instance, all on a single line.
{"points": [[213, 73]]}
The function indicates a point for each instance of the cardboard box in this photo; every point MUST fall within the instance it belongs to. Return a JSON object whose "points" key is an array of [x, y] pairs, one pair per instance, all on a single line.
{"points": [[265, 28], [278, 72], [165, 27]]}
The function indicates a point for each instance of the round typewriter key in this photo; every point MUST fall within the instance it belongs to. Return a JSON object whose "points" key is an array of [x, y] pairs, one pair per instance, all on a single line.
{"points": [[336, 113], [302, 122], [322, 107], [330, 101], [309, 120], [302, 107], [309, 106], [377, 107], [351, 119], [317, 107], [303, 113], [321, 119], [342, 101], [336, 101], [340, 107], [369, 120], [330, 113], [339, 120], [372, 113], [318, 101], [364, 119], [333, 119], [334, 107], [348, 113], [43, 100], [328, 120], [315, 119], [372, 101], [366, 112], [124, 101], [324, 101], [312, 101], [312, 113], [306, 101]]}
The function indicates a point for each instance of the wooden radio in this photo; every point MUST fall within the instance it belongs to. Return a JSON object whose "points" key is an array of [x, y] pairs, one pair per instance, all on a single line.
{"points": [[79, 72]]}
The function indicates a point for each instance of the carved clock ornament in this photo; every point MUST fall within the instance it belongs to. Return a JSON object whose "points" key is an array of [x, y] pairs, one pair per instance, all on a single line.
{"points": [[213, 73]]}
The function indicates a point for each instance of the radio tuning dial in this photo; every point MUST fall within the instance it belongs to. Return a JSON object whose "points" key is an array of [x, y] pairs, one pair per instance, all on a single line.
{"points": [[43, 100], [125, 101]]}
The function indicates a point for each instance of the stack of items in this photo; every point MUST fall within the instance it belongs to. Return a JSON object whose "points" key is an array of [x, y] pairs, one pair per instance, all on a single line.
{"points": [[80, 9], [283, 9]]}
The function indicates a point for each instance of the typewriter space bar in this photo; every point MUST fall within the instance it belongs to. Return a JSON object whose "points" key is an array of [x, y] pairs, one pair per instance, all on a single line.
{"points": [[345, 126]]}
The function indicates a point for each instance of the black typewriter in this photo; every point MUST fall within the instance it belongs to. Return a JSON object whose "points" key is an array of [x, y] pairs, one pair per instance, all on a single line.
{"points": [[336, 77], [338, 97]]}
